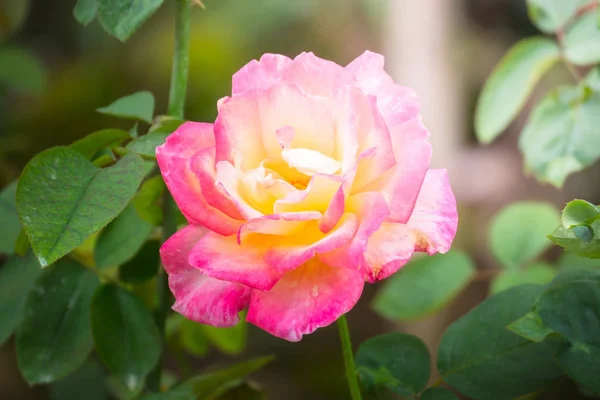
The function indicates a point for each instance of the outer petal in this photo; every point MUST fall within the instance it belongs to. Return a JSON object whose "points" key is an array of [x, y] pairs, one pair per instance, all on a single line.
{"points": [[223, 258], [197, 296], [259, 74], [396, 103], [315, 75], [173, 158], [310, 297]]}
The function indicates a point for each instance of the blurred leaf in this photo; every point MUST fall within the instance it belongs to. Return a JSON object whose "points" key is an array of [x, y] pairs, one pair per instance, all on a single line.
{"points": [[484, 360], [22, 243], [511, 82], [103, 161], [434, 393], [541, 273], [147, 200], [560, 135], [96, 141], [86, 383], [17, 277], [139, 105], [569, 260], [243, 391], [193, 339], [62, 198], [165, 124], [397, 361], [121, 18], [146, 145], [125, 335], [518, 232], [55, 337], [231, 340], [21, 71], [143, 266], [121, 239], [585, 244], [579, 212], [13, 14], [551, 15], [9, 220], [582, 363], [85, 11], [424, 286], [582, 41], [213, 384], [531, 327]]}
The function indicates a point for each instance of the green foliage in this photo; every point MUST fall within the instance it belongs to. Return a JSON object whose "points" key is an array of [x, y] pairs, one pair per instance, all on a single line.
{"points": [[579, 212], [192, 338], [90, 145], [197, 338], [531, 327], [139, 105], [423, 286], [147, 200], [551, 15], [86, 383], [517, 233], [9, 220], [62, 198], [143, 266], [55, 336], [581, 240], [17, 277], [397, 361], [14, 13], [21, 71], [569, 260], [438, 394], [484, 360], [146, 145], [125, 335], [121, 18], [511, 82], [541, 273], [582, 41], [85, 11]]}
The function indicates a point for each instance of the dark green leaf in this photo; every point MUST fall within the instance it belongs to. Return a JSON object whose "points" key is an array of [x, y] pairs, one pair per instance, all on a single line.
{"points": [[438, 394], [531, 327], [22, 244], [582, 363], [573, 241], [397, 361], [518, 232], [9, 220], [146, 145], [424, 286], [541, 273], [139, 105], [21, 71], [582, 41], [551, 15], [55, 337], [484, 360], [85, 11], [243, 391], [121, 239], [143, 266], [578, 212], [147, 200], [17, 277], [125, 335], [121, 18], [511, 82], [62, 198], [210, 385], [94, 142], [86, 383]]}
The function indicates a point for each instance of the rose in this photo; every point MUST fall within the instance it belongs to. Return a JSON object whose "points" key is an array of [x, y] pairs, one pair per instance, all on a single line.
{"points": [[313, 179]]}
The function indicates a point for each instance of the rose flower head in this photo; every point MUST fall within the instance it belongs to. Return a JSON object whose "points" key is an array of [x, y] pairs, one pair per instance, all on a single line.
{"points": [[313, 180]]}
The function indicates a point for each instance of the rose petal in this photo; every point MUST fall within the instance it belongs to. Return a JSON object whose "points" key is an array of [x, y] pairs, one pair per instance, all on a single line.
{"points": [[314, 75], [284, 224], [259, 74]]}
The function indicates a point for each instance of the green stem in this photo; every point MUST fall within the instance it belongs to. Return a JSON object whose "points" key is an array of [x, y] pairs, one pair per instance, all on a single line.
{"points": [[348, 358], [179, 77]]}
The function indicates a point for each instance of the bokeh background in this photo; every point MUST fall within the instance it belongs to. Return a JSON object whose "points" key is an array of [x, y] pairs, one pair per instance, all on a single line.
{"points": [[443, 48]]}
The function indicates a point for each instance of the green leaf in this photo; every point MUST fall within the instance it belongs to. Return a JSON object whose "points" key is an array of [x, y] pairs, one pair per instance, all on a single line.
{"points": [[398, 361], [9, 219], [243, 391], [165, 124], [582, 41], [511, 83], [582, 363], [531, 327], [96, 141], [230, 341], [22, 244], [17, 277], [518, 232], [21, 71], [424, 286], [146, 145], [55, 337], [125, 335], [192, 338], [62, 198], [121, 239], [86, 383], [143, 266], [482, 359], [572, 240], [551, 15], [438, 394], [209, 386], [541, 273], [139, 105], [578, 212], [121, 18], [147, 200], [85, 11], [560, 135], [569, 260]]}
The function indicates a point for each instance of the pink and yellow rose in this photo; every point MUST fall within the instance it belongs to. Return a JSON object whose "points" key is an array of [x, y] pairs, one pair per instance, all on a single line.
{"points": [[313, 180]]}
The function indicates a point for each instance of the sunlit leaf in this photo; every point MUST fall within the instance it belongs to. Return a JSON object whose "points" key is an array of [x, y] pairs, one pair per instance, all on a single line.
{"points": [[139, 105], [550, 15], [96, 141]]}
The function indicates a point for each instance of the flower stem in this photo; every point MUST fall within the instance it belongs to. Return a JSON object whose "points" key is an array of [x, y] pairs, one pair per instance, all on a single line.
{"points": [[348, 358], [179, 77]]}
